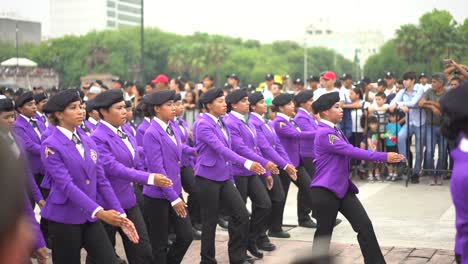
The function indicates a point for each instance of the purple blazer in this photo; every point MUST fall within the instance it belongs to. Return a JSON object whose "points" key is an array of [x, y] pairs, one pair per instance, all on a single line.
{"points": [[290, 138], [215, 157], [141, 131], [77, 184], [120, 168], [306, 122], [30, 142], [42, 126], [333, 154], [268, 142], [90, 126], [244, 144], [182, 128], [458, 187], [47, 132], [166, 158]]}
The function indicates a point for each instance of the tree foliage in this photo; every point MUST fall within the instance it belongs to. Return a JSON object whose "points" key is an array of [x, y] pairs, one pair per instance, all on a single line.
{"points": [[422, 47], [118, 51]]}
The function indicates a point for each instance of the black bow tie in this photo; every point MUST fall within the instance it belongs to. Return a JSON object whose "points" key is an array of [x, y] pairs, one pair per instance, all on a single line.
{"points": [[76, 140], [169, 131], [292, 122], [179, 121], [121, 134], [44, 119], [33, 123]]}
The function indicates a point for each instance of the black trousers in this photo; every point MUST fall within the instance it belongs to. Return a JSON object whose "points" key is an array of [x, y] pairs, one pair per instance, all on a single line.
{"points": [[303, 210], [211, 195], [67, 241], [138, 188], [303, 184], [253, 187], [277, 198], [188, 183], [136, 253], [327, 205], [158, 214]]}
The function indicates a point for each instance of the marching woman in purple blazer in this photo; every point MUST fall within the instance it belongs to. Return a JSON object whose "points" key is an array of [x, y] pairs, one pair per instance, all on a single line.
{"points": [[42, 121], [213, 172], [271, 149], [306, 122], [245, 143], [92, 115], [123, 168], [186, 172], [453, 105], [145, 123], [80, 193], [165, 206], [290, 136], [332, 190]]}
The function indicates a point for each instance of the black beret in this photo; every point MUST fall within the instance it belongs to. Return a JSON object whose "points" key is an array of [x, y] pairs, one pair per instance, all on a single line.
{"points": [[325, 102], [159, 97], [282, 99], [453, 103], [269, 77], [177, 97], [254, 98], [7, 105], [24, 98], [210, 95], [128, 104], [303, 96], [235, 96], [39, 97], [90, 106], [59, 102], [108, 98]]}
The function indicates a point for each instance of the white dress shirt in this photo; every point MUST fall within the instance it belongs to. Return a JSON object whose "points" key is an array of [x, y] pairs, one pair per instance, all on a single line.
{"points": [[126, 141]]}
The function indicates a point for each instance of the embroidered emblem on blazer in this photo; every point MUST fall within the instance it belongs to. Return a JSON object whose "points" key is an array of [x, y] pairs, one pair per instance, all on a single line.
{"points": [[332, 138], [93, 155], [48, 151]]}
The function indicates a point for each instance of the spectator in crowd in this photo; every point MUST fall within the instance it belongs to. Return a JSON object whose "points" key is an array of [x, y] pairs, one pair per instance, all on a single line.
{"points": [[406, 100], [357, 105], [391, 131], [452, 68], [390, 80], [372, 140], [190, 111], [328, 81], [455, 82], [233, 81], [138, 93], [93, 92], [312, 82], [128, 90], [117, 84], [379, 110], [160, 83], [430, 102], [150, 87], [346, 85], [424, 81], [276, 89], [298, 84]]}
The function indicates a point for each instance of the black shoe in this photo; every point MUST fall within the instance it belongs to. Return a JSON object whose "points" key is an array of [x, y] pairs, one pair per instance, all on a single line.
{"points": [[253, 249], [248, 260], [309, 223], [415, 179], [196, 234], [279, 234], [223, 223], [266, 246], [338, 221], [198, 226]]}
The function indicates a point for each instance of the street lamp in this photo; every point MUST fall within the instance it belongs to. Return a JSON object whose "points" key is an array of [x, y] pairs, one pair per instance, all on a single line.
{"points": [[308, 32]]}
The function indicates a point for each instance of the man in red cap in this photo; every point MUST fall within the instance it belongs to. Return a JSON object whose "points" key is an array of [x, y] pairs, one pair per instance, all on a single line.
{"points": [[161, 82], [328, 79]]}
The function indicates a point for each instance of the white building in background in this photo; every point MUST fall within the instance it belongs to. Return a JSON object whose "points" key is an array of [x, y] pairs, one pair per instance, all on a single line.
{"points": [[78, 17], [350, 44]]}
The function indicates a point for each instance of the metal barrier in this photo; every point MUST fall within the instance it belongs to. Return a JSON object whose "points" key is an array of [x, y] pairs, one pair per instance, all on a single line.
{"points": [[406, 171]]}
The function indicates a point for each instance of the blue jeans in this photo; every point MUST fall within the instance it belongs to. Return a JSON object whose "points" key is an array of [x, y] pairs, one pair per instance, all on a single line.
{"points": [[403, 135], [433, 137]]}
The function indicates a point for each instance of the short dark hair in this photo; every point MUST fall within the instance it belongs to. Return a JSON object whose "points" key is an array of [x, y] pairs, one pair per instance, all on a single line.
{"points": [[372, 120], [381, 95], [409, 75], [358, 91]]}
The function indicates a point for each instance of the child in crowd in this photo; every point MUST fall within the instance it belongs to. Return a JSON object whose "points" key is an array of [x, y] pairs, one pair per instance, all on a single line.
{"points": [[390, 136], [373, 145]]}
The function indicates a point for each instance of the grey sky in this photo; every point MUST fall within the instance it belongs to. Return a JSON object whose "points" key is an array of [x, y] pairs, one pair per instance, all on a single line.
{"points": [[268, 20]]}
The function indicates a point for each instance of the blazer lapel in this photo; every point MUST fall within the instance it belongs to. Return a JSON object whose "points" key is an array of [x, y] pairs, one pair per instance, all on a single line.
{"points": [[169, 143]]}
